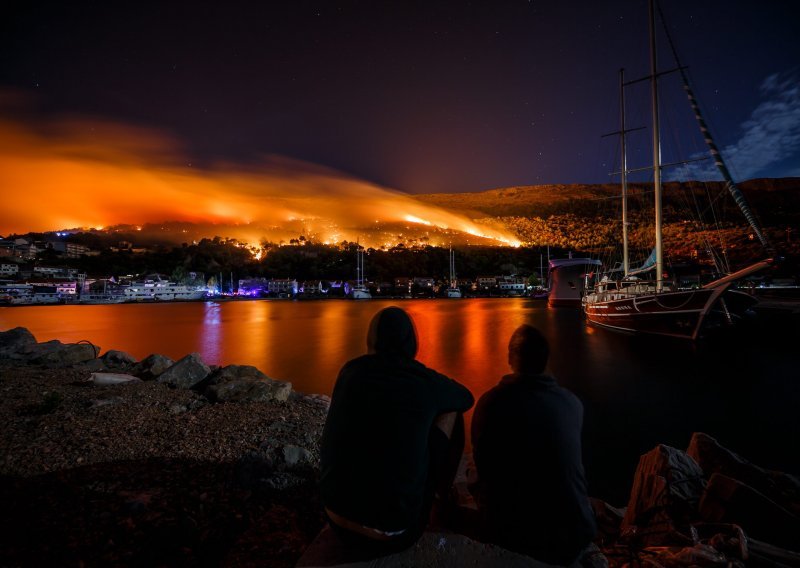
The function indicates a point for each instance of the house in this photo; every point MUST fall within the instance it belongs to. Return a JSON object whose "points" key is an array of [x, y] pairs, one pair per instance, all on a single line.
{"points": [[486, 282], [9, 269], [70, 250], [280, 286], [55, 272], [511, 286]]}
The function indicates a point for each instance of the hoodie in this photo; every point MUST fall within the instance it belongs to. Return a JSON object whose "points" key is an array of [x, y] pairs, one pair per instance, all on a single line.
{"points": [[374, 450]]}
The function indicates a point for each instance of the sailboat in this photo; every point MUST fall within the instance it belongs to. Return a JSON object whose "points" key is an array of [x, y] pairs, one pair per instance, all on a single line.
{"points": [[453, 291], [360, 291], [624, 300]]}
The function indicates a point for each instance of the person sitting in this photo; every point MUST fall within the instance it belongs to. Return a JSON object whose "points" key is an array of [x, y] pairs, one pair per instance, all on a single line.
{"points": [[386, 447], [526, 441]]}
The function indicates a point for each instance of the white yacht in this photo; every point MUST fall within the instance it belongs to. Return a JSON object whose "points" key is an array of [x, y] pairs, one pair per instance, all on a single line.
{"points": [[360, 291], [453, 291], [153, 288]]}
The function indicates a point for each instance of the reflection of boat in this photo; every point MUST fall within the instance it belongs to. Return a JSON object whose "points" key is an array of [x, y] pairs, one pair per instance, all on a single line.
{"points": [[565, 280], [453, 291], [153, 288], [360, 291], [102, 298], [620, 299]]}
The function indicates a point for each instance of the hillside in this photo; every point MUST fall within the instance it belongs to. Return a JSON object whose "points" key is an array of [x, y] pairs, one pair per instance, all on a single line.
{"points": [[775, 200], [588, 217]]}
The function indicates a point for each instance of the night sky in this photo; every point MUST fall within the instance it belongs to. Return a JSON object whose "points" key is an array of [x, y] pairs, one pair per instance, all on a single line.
{"points": [[417, 96]]}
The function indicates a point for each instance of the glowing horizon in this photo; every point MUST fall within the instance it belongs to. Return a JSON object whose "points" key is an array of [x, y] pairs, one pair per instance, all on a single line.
{"points": [[81, 173]]}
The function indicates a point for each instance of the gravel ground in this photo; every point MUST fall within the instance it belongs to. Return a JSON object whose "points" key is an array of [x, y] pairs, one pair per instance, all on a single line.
{"points": [[141, 473]]}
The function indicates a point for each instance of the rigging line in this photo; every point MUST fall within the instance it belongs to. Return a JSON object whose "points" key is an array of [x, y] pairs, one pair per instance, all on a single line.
{"points": [[738, 196], [725, 265]]}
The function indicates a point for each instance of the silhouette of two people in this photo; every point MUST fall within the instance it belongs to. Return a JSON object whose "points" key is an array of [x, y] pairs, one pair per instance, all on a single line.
{"points": [[394, 437]]}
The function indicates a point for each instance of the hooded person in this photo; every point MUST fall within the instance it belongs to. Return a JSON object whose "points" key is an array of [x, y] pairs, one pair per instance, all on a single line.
{"points": [[387, 442], [526, 442]]}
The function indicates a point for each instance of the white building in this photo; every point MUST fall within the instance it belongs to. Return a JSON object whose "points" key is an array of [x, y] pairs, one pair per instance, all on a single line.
{"points": [[55, 272], [282, 286], [9, 269]]}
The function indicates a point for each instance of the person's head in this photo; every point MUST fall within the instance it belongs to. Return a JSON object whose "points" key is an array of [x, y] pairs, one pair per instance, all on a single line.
{"points": [[392, 331], [528, 350]]}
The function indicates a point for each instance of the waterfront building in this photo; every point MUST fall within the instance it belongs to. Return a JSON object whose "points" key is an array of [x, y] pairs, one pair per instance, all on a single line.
{"points": [[280, 286], [9, 269], [511, 286], [485, 283]]}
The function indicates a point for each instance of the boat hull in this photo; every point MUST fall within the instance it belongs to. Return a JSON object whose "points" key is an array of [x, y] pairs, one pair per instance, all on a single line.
{"points": [[677, 314], [361, 294]]}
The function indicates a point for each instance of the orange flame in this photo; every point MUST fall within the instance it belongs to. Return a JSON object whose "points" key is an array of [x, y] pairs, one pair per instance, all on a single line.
{"points": [[89, 174]]}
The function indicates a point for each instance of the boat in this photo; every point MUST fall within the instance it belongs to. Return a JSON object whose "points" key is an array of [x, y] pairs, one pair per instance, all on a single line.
{"points": [[154, 288], [566, 279], [360, 291], [453, 291], [626, 298]]}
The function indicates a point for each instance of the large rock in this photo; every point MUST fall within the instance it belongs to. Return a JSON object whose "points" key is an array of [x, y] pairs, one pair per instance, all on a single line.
{"points": [[152, 366], [244, 383], [118, 359], [295, 456], [727, 500], [713, 458], [666, 490], [15, 341], [57, 354], [248, 390], [234, 372], [186, 373]]}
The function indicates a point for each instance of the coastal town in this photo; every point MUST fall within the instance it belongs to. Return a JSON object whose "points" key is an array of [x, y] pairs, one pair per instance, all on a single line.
{"points": [[26, 279]]}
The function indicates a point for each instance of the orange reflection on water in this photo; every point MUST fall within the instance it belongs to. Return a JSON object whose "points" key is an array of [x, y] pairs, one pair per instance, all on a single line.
{"points": [[302, 342], [305, 342]]}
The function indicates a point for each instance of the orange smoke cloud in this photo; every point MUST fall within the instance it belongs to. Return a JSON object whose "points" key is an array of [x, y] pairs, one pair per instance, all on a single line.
{"points": [[92, 174]]}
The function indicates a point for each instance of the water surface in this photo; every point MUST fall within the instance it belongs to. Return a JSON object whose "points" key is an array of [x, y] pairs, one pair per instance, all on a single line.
{"points": [[637, 392]]}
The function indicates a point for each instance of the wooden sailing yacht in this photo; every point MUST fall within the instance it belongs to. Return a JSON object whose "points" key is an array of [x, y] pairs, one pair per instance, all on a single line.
{"points": [[627, 302]]}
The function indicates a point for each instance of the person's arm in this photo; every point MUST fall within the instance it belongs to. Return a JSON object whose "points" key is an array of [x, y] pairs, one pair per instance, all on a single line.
{"points": [[451, 396]]}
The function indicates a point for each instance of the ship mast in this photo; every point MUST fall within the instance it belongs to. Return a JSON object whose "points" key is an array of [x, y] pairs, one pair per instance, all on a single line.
{"points": [[738, 196], [624, 168], [656, 151]]}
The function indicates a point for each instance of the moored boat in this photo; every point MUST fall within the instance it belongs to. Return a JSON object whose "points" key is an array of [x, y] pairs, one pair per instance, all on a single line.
{"points": [[566, 278], [620, 299], [453, 291], [154, 288], [360, 291]]}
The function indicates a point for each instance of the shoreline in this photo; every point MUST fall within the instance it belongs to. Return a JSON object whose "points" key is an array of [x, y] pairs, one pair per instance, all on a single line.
{"points": [[192, 464]]}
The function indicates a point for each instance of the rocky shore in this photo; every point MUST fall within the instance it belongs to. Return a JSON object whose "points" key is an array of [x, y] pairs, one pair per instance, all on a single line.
{"points": [[186, 464], [105, 460]]}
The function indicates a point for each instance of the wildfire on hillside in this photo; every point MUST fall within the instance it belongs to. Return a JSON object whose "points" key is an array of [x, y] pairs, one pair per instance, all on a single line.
{"points": [[69, 174]]}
